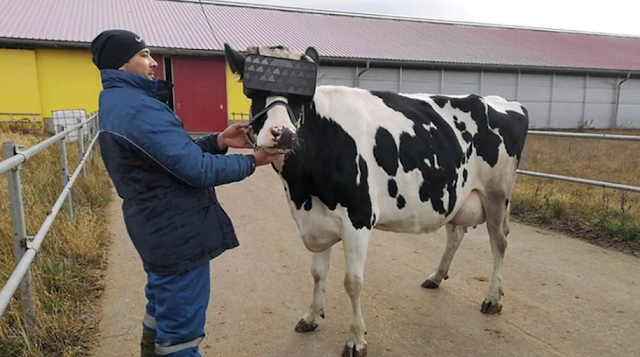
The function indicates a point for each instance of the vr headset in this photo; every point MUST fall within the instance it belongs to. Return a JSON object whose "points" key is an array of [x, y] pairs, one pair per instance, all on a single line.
{"points": [[279, 76]]}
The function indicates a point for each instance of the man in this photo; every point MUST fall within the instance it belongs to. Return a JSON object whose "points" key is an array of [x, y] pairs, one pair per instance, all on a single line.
{"points": [[166, 181]]}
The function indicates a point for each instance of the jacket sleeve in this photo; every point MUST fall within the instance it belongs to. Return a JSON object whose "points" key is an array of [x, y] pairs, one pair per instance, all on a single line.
{"points": [[209, 143], [159, 135]]}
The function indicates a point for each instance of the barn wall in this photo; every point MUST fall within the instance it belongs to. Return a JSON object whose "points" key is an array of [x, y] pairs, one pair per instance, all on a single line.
{"points": [[42, 80], [67, 80], [237, 103], [556, 101], [19, 82]]}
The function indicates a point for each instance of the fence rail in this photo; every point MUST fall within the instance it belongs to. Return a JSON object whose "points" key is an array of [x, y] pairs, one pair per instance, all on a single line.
{"points": [[582, 180], [234, 116], [26, 247], [585, 136]]}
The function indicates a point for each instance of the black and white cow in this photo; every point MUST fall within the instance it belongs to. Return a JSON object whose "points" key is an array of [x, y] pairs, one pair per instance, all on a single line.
{"points": [[358, 160]]}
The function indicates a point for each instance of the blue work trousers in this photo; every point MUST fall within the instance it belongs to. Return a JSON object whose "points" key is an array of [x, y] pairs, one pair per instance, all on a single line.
{"points": [[176, 310]]}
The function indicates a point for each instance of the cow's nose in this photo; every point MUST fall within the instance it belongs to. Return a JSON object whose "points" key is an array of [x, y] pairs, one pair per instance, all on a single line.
{"points": [[283, 137]]}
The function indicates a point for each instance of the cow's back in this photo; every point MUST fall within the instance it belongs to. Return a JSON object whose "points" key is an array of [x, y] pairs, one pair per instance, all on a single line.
{"points": [[407, 161]]}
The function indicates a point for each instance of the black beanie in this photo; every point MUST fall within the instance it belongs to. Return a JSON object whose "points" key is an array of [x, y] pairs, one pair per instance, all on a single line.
{"points": [[113, 48]]}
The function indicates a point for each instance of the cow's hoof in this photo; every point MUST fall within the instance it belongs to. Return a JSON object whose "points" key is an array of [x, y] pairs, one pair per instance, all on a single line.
{"points": [[353, 352], [429, 284], [489, 307], [302, 326]]}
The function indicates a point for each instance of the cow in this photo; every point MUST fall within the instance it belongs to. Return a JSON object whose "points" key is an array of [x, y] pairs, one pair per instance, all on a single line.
{"points": [[355, 160]]}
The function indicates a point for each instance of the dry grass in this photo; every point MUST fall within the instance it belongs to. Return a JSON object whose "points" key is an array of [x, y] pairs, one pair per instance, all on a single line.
{"points": [[604, 216], [67, 271]]}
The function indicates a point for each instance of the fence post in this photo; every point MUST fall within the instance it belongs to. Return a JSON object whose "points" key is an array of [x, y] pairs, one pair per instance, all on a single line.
{"points": [[65, 168], [94, 132], [81, 146], [20, 238]]}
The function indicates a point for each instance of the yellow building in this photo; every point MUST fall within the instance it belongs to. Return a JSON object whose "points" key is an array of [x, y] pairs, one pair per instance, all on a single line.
{"points": [[36, 82], [237, 103]]}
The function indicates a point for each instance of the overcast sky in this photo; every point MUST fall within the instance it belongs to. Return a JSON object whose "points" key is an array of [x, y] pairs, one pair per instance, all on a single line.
{"points": [[611, 16]]}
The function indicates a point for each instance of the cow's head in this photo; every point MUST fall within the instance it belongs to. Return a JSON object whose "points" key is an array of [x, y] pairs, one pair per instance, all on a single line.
{"points": [[279, 81]]}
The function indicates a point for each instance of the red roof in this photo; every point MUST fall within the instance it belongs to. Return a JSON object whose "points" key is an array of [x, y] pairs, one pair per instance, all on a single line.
{"points": [[182, 25]]}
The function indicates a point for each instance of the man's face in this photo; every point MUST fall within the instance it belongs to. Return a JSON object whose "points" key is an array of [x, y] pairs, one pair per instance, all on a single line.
{"points": [[141, 64]]}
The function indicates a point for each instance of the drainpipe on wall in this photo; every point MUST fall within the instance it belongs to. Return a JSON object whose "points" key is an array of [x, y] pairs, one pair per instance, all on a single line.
{"points": [[615, 113], [361, 73]]}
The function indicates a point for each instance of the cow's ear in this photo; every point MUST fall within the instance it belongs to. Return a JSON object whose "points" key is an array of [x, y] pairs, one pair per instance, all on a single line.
{"points": [[235, 60], [311, 52]]}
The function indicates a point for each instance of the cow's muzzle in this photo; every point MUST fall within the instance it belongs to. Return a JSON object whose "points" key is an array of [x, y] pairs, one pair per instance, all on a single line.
{"points": [[283, 138]]}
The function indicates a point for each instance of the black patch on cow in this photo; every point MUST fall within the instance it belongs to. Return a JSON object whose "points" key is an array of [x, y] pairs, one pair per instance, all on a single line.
{"points": [[485, 141], [326, 165], [401, 202], [440, 143], [513, 128], [257, 104], [308, 205], [465, 175], [462, 127], [386, 151], [469, 151], [452, 189], [467, 137], [393, 188], [440, 100]]}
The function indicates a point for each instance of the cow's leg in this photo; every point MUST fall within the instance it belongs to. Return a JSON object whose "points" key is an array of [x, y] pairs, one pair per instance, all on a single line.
{"points": [[355, 253], [319, 271], [505, 221], [497, 226], [454, 238]]}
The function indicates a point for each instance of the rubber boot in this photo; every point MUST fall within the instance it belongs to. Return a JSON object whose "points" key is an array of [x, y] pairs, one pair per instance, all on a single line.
{"points": [[148, 344]]}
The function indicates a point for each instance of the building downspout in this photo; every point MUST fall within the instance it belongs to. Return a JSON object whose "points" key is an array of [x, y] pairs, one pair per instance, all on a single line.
{"points": [[615, 113], [361, 73]]}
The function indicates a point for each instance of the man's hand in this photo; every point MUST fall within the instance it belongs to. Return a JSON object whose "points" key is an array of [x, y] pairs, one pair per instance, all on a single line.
{"points": [[263, 157], [235, 136]]}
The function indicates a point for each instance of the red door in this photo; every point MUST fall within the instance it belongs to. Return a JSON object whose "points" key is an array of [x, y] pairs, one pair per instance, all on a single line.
{"points": [[199, 92]]}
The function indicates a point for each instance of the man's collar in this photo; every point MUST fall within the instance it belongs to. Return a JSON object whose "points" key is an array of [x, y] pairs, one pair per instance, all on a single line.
{"points": [[158, 88]]}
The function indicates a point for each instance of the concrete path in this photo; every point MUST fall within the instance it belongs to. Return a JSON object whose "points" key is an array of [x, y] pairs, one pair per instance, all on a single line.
{"points": [[563, 297]]}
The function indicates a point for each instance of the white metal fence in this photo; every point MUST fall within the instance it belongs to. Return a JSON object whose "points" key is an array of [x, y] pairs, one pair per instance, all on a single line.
{"points": [[582, 180], [23, 121], [26, 247]]}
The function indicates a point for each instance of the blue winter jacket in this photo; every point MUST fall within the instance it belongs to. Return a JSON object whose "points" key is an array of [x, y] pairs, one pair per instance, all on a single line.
{"points": [[165, 178]]}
